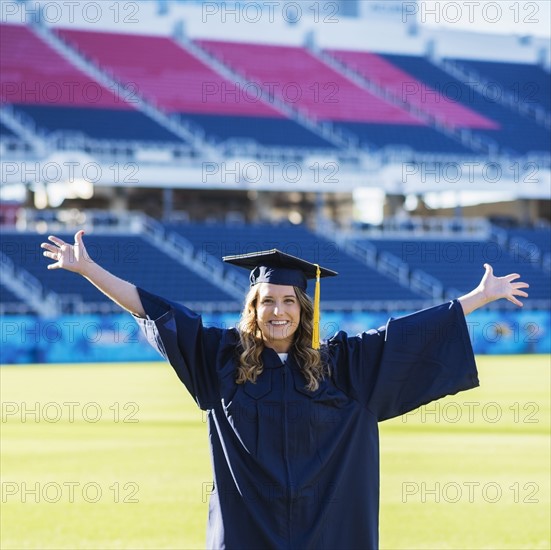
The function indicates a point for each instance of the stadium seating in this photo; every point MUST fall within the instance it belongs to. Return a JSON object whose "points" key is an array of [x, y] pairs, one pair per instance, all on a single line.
{"points": [[34, 73], [458, 264], [518, 134], [99, 123], [129, 257], [418, 138], [174, 79], [314, 87], [527, 83], [279, 132], [307, 83], [356, 281], [163, 71], [39, 82], [541, 238], [409, 90], [36, 83]]}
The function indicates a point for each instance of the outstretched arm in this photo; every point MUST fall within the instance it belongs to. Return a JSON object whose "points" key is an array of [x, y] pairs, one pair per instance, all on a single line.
{"points": [[493, 288], [75, 258]]}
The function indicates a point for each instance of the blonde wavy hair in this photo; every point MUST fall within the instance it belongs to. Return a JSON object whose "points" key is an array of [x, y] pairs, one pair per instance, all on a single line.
{"points": [[250, 362]]}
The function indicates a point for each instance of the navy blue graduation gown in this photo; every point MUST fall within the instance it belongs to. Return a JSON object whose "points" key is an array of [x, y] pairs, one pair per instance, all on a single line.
{"points": [[300, 469]]}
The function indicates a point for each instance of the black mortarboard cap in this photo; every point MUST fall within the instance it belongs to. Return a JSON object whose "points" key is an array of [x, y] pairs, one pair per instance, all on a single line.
{"points": [[278, 268]]}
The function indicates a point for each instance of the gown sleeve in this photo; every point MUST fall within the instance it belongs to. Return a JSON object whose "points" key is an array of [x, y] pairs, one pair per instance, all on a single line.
{"points": [[177, 333], [410, 362]]}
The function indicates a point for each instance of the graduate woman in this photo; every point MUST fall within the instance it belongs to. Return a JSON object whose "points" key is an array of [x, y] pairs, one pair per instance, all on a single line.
{"points": [[293, 425]]}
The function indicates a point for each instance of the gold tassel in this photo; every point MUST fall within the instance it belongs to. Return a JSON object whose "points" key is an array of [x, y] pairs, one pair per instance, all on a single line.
{"points": [[316, 328]]}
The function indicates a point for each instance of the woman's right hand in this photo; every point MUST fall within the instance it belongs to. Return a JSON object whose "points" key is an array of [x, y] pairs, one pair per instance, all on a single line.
{"points": [[72, 257]]}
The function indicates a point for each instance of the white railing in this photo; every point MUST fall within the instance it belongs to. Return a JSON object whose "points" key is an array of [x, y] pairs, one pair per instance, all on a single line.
{"points": [[365, 252], [385, 263], [24, 127], [301, 117], [68, 219], [426, 284], [397, 227], [499, 235], [109, 81], [520, 247], [28, 288], [463, 136], [393, 268], [184, 252], [120, 150], [474, 80]]}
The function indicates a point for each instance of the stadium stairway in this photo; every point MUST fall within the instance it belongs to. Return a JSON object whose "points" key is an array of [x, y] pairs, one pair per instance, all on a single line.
{"points": [[516, 134], [537, 241], [150, 109], [522, 87], [374, 68], [5, 131], [19, 286], [447, 117], [17, 125], [201, 262], [182, 262], [130, 257], [458, 264], [325, 132], [340, 100]]}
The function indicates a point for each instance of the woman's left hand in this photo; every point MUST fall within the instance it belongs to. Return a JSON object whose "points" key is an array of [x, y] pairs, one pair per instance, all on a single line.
{"points": [[494, 288]]}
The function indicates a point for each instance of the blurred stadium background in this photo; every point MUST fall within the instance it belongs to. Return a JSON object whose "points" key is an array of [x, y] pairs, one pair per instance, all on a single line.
{"points": [[400, 154]]}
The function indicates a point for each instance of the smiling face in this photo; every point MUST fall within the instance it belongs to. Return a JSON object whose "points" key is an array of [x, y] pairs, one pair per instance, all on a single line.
{"points": [[277, 315]]}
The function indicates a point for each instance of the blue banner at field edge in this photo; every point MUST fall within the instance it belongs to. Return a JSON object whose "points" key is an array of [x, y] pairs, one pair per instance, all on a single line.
{"points": [[117, 338]]}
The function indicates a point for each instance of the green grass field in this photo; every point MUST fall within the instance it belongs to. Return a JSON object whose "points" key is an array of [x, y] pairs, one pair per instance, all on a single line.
{"points": [[116, 456]]}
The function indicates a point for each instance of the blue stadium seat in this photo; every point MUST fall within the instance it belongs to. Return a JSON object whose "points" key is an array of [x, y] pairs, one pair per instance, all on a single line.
{"points": [[518, 133], [419, 138], [527, 83], [99, 123], [459, 263], [541, 238], [356, 281], [129, 257], [456, 263], [265, 131]]}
